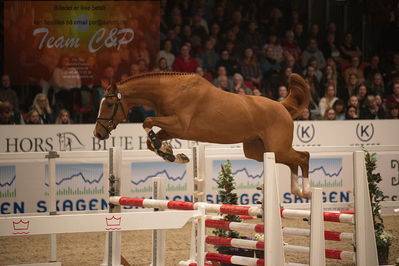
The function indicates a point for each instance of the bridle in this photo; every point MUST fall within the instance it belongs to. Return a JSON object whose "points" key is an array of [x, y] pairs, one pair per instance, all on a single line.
{"points": [[111, 124]]}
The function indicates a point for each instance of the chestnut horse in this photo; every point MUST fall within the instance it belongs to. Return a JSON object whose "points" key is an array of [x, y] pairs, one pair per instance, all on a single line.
{"points": [[188, 107]]}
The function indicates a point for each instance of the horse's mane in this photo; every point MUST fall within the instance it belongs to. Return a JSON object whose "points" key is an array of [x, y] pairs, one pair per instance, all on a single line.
{"points": [[153, 74]]}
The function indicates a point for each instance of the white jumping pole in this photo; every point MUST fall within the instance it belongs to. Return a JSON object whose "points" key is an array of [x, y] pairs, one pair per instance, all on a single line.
{"points": [[199, 173], [51, 156], [158, 236], [317, 242], [112, 254], [274, 253], [366, 248]]}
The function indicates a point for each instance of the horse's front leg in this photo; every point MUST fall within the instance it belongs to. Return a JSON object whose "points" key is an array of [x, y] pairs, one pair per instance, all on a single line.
{"points": [[156, 141]]}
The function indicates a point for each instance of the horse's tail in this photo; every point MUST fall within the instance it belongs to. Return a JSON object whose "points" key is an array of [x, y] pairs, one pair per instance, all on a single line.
{"points": [[298, 97]]}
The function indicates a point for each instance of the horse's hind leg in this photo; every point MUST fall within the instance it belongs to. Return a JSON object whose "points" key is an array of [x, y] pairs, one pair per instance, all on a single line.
{"points": [[293, 159], [254, 149], [163, 149]]}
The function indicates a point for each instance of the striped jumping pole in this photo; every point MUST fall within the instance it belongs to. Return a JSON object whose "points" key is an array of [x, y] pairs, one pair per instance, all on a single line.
{"points": [[182, 205], [226, 209], [259, 228], [259, 245]]}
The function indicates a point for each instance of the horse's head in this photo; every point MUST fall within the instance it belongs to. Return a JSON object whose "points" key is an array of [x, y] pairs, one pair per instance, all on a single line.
{"points": [[111, 112]]}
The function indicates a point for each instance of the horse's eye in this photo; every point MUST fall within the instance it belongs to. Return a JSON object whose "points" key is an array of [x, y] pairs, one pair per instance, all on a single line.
{"points": [[109, 105]]}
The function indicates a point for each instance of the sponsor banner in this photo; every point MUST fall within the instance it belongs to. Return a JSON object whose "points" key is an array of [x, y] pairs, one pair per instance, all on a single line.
{"points": [[82, 181], [332, 172], [346, 133], [33, 138], [94, 34]]}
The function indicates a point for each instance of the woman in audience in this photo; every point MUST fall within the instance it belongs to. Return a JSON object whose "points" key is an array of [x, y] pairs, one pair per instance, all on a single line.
{"points": [[63, 117], [42, 106], [328, 100]]}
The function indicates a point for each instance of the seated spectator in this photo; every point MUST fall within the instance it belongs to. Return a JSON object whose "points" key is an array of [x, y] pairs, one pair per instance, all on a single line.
{"points": [[252, 37], [354, 101], [394, 97], [371, 110], [63, 117], [377, 86], [311, 80], [331, 76], [221, 72], [339, 108], [200, 71], [65, 79], [351, 113], [208, 56], [167, 54], [250, 68], [277, 50], [349, 49], [289, 61], [314, 32], [223, 83], [305, 115], [313, 63], [291, 46], [282, 93], [184, 62], [350, 88], [300, 36], [330, 49], [330, 114], [142, 65], [231, 65], [257, 92], [163, 65], [133, 70], [328, 100], [373, 68], [393, 71], [361, 94], [354, 68], [33, 118], [392, 111], [7, 93], [270, 68], [140, 52], [313, 51], [380, 103], [238, 82], [42, 106], [6, 114]]}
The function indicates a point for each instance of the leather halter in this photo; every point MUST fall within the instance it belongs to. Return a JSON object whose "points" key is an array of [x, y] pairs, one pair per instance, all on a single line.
{"points": [[111, 124]]}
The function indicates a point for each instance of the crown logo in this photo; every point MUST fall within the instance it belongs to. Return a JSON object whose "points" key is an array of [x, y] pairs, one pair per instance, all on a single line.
{"points": [[21, 225], [113, 221]]}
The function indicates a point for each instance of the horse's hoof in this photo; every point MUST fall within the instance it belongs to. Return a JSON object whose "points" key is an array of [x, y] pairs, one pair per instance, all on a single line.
{"points": [[307, 194], [181, 158], [156, 143], [149, 145], [166, 148]]}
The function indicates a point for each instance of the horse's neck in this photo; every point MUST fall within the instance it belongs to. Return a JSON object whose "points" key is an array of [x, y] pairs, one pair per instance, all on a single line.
{"points": [[142, 92]]}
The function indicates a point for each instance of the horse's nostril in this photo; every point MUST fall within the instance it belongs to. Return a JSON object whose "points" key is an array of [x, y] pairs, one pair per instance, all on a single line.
{"points": [[98, 135]]}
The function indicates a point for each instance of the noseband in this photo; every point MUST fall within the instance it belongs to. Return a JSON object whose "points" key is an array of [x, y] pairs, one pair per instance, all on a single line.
{"points": [[111, 124]]}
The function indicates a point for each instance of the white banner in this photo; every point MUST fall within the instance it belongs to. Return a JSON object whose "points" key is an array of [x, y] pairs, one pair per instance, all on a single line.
{"points": [[82, 178], [42, 138]]}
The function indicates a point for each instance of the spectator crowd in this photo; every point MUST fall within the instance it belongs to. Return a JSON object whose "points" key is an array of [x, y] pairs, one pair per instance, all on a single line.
{"points": [[240, 48]]}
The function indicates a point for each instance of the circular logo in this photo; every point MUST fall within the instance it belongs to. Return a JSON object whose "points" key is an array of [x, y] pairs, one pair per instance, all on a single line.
{"points": [[364, 132], [305, 133]]}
